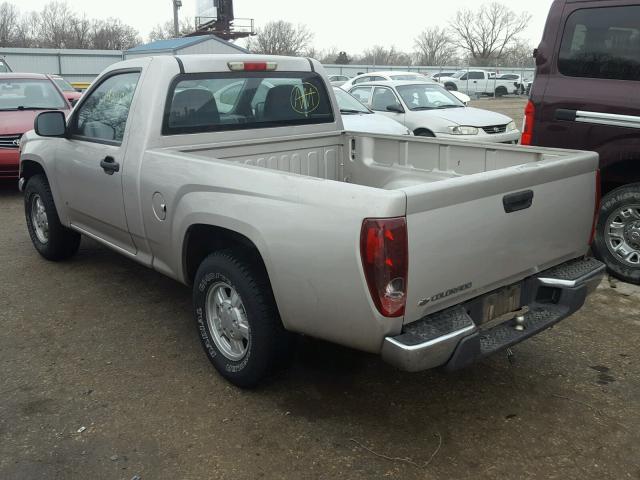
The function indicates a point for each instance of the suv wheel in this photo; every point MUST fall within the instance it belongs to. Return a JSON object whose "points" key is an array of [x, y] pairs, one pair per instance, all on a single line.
{"points": [[617, 240]]}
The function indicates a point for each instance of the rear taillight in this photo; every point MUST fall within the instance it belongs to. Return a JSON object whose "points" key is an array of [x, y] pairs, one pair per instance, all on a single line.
{"points": [[527, 127], [596, 210], [384, 251]]}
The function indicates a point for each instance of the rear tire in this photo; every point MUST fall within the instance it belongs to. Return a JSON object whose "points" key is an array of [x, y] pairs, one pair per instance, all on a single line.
{"points": [[238, 320], [617, 241], [50, 238], [501, 92]]}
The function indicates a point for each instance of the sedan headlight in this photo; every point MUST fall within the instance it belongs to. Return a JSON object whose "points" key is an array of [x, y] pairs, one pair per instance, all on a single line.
{"points": [[511, 126], [460, 130]]}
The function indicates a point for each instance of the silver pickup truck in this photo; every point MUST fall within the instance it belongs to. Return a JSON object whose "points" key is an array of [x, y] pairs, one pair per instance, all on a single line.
{"points": [[233, 174]]}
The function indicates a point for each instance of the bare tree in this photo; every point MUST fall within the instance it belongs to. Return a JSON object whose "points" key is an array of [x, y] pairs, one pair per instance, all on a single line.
{"points": [[379, 55], [281, 38], [9, 19], [79, 32], [486, 33], [112, 34], [54, 23], [434, 46], [519, 54], [165, 31], [27, 31]]}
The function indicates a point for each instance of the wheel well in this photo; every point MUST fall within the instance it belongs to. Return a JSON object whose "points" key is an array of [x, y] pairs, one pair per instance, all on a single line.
{"points": [[450, 86], [202, 240], [502, 89], [418, 131], [30, 169], [620, 174]]}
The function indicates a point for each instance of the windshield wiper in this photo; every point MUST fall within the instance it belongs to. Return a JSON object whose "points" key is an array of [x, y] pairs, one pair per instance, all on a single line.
{"points": [[449, 106], [22, 107], [347, 111], [422, 108]]}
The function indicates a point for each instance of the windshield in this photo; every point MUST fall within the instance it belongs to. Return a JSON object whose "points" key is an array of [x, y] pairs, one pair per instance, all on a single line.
{"points": [[348, 103], [427, 97], [64, 85], [29, 94], [459, 73]]}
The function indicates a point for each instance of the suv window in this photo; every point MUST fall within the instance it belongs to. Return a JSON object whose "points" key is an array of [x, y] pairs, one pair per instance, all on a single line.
{"points": [[103, 115], [602, 43], [212, 102]]}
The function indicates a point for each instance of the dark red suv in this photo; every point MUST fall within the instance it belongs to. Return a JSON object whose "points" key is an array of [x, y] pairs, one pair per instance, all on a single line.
{"points": [[586, 96]]}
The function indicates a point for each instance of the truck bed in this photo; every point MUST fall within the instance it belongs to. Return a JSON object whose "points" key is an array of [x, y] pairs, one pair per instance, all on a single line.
{"points": [[460, 233], [378, 161]]}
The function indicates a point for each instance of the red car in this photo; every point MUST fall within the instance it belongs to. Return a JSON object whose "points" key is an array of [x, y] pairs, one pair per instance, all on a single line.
{"points": [[22, 97]]}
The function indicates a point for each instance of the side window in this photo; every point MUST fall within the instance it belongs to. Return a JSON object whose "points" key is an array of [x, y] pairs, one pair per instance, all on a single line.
{"points": [[362, 80], [382, 98], [103, 115], [476, 75], [363, 94], [379, 79], [602, 43], [464, 77]]}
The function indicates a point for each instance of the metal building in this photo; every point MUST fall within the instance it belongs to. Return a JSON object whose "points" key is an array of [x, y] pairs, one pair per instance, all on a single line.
{"points": [[185, 46], [74, 65]]}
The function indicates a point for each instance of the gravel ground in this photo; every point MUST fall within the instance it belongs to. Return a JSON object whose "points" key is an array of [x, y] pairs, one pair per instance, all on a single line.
{"points": [[103, 378]]}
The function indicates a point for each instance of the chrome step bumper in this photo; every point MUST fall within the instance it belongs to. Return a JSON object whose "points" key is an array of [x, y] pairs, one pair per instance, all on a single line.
{"points": [[452, 337]]}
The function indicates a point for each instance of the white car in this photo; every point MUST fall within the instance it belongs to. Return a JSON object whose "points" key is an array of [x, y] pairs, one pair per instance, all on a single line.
{"points": [[394, 75], [479, 82], [338, 80], [358, 118], [429, 110]]}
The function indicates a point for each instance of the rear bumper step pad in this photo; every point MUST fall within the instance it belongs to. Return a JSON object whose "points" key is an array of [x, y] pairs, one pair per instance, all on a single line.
{"points": [[452, 338]]}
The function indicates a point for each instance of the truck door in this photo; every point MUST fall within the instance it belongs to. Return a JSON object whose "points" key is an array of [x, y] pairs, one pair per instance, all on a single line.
{"points": [[477, 83], [89, 162]]}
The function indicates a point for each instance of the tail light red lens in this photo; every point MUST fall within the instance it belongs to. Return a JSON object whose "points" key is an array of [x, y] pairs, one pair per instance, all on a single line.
{"points": [[384, 251], [596, 211], [527, 128]]}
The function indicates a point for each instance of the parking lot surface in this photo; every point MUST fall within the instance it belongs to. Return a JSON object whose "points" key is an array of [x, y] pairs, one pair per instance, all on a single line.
{"points": [[103, 377]]}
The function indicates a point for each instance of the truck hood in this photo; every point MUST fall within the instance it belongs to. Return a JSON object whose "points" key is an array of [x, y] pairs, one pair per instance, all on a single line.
{"points": [[373, 123], [19, 121], [468, 116]]}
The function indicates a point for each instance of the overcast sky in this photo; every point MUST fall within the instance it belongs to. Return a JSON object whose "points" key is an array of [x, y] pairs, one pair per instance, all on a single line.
{"points": [[350, 25]]}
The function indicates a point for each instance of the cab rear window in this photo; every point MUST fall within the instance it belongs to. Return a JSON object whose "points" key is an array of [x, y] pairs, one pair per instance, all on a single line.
{"points": [[245, 100], [602, 42]]}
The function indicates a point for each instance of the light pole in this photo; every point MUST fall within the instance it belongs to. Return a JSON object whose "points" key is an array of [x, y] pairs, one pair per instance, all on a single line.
{"points": [[176, 24]]}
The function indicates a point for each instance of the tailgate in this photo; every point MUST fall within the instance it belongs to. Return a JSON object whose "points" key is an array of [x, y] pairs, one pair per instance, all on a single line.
{"points": [[463, 243]]}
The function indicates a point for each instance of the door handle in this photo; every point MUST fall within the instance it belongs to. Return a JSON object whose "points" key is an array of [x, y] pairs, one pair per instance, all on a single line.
{"points": [[517, 201], [109, 165]]}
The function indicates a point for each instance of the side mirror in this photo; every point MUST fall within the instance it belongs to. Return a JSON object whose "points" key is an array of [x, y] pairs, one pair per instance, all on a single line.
{"points": [[395, 108], [51, 124]]}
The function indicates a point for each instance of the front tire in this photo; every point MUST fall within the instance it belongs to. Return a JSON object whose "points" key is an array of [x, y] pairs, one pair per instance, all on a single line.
{"points": [[617, 241], [50, 238], [237, 318]]}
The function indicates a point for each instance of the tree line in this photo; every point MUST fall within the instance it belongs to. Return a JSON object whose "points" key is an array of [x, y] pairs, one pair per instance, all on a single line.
{"points": [[487, 36]]}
